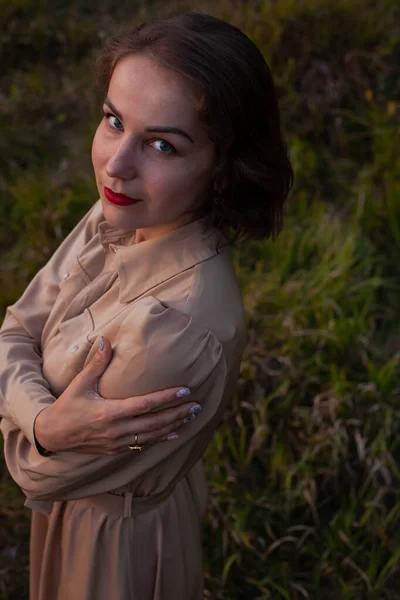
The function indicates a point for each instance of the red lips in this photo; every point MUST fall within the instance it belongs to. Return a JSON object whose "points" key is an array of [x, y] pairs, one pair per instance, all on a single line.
{"points": [[119, 199]]}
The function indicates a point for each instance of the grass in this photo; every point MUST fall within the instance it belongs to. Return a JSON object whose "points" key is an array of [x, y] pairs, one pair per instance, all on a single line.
{"points": [[304, 469]]}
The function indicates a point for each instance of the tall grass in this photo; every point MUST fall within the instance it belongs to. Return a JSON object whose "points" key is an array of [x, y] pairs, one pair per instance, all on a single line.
{"points": [[304, 470]]}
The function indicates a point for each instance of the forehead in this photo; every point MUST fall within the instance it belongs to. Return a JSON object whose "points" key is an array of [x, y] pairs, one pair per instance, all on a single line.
{"points": [[141, 88]]}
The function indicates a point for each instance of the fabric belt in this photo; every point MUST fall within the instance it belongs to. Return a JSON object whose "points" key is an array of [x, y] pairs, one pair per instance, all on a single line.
{"points": [[127, 505], [123, 505]]}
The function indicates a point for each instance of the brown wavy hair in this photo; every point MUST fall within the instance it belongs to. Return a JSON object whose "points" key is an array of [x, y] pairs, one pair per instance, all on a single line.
{"points": [[238, 106]]}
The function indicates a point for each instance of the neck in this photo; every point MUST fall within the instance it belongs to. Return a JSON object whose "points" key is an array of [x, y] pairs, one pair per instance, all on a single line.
{"points": [[149, 233]]}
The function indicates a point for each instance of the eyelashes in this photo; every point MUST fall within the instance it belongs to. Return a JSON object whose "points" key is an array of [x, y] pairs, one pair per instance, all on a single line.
{"points": [[170, 150], [107, 116]]}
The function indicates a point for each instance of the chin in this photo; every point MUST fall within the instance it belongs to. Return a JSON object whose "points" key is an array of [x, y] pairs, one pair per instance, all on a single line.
{"points": [[119, 217]]}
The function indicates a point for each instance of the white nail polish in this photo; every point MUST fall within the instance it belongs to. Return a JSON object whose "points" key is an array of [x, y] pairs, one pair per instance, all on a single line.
{"points": [[182, 392]]}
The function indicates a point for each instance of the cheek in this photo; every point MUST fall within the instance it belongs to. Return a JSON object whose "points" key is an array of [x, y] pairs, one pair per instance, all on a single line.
{"points": [[98, 157], [94, 149], [195, 177], [160, 177], [177, 180]]}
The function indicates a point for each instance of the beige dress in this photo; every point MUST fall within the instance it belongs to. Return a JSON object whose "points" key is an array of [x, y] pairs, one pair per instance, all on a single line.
{"points": [[124, 527]]}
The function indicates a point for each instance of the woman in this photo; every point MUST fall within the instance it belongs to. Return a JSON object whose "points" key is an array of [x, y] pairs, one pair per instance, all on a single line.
{"points": [[140, 297]]}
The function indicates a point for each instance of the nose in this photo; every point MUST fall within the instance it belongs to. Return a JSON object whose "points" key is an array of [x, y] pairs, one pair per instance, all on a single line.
{"points": [[121, 164]]}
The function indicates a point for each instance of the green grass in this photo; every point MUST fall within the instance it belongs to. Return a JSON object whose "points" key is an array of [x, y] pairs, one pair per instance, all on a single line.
{"points": [[304, 470]]}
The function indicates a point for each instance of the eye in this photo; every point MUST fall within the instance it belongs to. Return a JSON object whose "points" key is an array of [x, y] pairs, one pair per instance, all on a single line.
{"points": [[112, 124], [163, 147]]}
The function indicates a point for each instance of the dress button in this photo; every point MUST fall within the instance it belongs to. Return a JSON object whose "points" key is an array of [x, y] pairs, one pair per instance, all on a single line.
{"points": [[66, 275], [73, 349]]}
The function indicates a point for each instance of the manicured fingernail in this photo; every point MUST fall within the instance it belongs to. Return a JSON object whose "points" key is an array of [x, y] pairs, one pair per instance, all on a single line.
{"points": [[195, 409], [101, 344], [182, 392], [173, 436]]}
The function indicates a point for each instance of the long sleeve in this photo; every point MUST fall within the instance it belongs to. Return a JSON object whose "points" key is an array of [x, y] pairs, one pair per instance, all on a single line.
{"points": [[23, 390], [158, 347]]}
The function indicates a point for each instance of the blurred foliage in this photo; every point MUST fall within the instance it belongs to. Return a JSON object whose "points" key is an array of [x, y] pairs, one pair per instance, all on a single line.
{"points": [[304, 471]]}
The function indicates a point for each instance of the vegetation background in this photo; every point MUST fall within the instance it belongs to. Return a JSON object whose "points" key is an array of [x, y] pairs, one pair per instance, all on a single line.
{"points": [[304, 470]]}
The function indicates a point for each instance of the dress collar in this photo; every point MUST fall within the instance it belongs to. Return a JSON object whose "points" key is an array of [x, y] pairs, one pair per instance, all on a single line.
{"points": [[147, 264]]}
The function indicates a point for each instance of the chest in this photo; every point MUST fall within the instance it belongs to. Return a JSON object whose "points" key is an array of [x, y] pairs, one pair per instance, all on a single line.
{"points": [[86, 309]]}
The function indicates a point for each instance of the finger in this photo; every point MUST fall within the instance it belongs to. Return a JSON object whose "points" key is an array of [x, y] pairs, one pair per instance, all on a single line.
{"points": [[156, 421], [156, 401], [150, 438], [169, 433], [89, 376]]}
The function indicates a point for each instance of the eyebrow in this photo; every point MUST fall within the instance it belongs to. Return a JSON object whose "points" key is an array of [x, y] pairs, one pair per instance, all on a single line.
{"points": [[153, 128]]}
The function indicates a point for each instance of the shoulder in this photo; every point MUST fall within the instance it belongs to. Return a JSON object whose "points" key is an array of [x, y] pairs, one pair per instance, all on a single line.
{"points": [[215, 278], [215, 298], [156, 339], [209, 294]]}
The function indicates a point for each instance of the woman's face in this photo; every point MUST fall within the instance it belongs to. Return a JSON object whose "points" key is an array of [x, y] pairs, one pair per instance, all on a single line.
{"points": [[151, 146]]}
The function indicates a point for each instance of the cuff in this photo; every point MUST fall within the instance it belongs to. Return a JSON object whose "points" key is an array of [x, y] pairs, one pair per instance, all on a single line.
{"points": [[40, 448]]}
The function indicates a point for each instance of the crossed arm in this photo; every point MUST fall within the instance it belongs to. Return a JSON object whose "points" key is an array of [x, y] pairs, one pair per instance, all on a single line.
{"points": [[198, 363]]}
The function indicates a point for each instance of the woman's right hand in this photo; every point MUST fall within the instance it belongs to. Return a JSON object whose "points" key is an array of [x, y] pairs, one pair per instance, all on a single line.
{"points": [[81, 420]]}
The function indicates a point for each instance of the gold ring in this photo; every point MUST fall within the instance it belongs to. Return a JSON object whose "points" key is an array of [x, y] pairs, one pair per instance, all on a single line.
{"points": [[136, 444]]}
